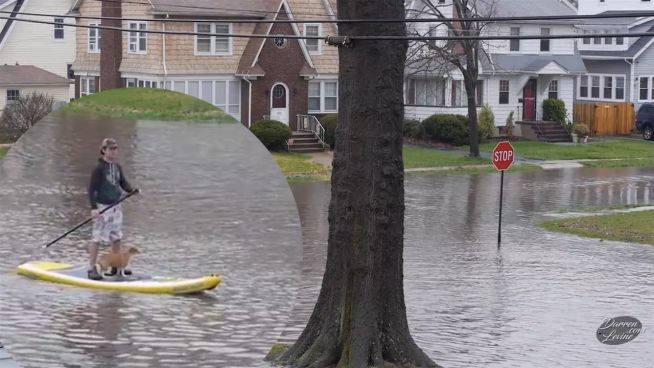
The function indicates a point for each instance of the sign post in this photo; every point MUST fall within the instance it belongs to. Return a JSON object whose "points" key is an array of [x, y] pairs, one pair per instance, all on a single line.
{"points": [[503, 156]]}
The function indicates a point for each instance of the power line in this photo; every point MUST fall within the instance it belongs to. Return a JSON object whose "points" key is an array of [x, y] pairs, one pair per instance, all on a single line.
{"points": [[353, 38]]}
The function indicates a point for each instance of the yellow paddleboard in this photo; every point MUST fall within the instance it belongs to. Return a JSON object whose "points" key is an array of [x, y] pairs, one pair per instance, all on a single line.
{"points": [[75, 275]]}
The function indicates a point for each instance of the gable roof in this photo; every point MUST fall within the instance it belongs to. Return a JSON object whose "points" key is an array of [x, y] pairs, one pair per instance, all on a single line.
{"points": [[632, 51], [9, 23], [248, 65], [4, 3], [29, 75], [208, 8], [503, 63], [519, 8]]}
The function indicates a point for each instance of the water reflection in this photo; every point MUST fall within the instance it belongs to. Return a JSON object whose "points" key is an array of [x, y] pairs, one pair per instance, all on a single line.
{"points": [[213, 202]]}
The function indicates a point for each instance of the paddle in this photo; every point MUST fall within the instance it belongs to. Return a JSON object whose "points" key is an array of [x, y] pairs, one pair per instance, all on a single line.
{"points": [[91, 218]]}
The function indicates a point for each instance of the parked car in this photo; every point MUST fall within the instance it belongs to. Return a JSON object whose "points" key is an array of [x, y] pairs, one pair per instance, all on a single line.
{"points": [[645, 120]]}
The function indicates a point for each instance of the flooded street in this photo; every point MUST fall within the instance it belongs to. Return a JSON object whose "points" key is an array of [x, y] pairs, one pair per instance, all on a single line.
{"points": [[213, 202], [536, 302]]}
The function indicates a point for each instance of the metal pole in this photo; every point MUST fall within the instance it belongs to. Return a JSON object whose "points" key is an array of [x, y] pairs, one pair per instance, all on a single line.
{"points": [[499, 231]]}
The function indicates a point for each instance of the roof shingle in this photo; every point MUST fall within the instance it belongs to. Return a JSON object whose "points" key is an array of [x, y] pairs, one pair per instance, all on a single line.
{"points": [[21, 75]]}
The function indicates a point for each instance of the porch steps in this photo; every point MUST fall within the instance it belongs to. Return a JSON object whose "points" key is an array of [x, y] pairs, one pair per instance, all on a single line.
{"points": [[551, 132], [305, 142]]}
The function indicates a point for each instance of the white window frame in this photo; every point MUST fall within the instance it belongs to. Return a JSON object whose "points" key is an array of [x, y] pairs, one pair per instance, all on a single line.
{"points": [[556, 90], [96, 38], [614, 87], [507, 91], [212, 40], [650, 88], [59, 25], [314, 52], [323, 96], [13, 98], [548, 40], [134, 38], [518, 40], [171, 84], [85, 84]]}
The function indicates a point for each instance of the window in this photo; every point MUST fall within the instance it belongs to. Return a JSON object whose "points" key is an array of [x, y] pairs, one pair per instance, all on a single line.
{"points": [[313, 46], [595, 87], [619, 88], [608, 88], [12, 95], [602, 87], [137, 40], [213, 45], [94, 38], [644, 88], [553, 91], [619, 41], [323, 96], [597, 40], [515, 44], [59, 28], [545, 43], [504, 92], [586, 40], [87, 85], [69, 71], [608, 40], [130, 83], [429, 91], [459, 97]]}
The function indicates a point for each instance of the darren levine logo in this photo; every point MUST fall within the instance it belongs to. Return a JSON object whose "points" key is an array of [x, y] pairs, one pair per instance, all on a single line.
{"points": [[619, 330]]}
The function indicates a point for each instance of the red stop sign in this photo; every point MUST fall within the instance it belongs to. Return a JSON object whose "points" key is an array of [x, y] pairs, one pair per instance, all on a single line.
{"points": [[503, 156]]}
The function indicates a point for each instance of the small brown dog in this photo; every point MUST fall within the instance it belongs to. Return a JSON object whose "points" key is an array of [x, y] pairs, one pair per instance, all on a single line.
{"points": [[119, 260]]}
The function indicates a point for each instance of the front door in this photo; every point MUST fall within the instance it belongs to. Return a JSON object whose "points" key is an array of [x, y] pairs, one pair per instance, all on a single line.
{"points": [[529, 101], [279, 103]]}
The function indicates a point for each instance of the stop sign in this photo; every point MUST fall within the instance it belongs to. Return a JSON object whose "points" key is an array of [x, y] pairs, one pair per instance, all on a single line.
{"points": [[503, 155]]}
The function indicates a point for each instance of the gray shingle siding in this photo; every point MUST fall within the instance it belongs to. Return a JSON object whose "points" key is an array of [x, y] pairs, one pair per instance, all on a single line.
{"points": [[645, 62]]}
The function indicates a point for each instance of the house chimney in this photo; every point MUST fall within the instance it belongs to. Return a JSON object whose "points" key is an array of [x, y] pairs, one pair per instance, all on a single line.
{"points": [[111, 46]]}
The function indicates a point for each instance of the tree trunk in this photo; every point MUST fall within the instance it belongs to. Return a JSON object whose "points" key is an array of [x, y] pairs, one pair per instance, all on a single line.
{"points": [[470, 76], [360, 317]]}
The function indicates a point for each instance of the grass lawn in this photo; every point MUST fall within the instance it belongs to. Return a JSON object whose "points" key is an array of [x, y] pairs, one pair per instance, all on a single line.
{"points": [[425, 157], [298, 164], [648, 162], [147, 104], [3, 151], [609, 149], [634, 227]]}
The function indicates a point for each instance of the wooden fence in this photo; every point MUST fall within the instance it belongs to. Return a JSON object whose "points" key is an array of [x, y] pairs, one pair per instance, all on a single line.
{"points": [[606, 118]]}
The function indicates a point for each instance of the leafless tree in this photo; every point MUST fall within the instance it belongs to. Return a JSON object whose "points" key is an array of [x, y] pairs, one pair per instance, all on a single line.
{"points": [[18, 116], [443, 57]]}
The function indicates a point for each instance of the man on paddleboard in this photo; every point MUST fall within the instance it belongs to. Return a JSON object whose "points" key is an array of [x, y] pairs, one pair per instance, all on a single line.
{"points": [[107, 183]]}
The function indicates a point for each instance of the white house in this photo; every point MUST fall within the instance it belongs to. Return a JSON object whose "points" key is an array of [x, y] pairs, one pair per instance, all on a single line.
{"points": [[22, 80], [45, 46], [515, 75]]}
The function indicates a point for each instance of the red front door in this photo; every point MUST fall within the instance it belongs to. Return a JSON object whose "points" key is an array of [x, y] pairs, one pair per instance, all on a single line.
{"points": [[529, 101]]}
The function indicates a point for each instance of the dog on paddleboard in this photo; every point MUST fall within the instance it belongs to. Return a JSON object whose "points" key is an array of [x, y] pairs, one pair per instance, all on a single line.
{"points": [[120, 260]]}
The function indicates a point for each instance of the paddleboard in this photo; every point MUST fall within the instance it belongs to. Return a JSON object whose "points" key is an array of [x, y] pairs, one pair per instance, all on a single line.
{"points": [[75, 275]]}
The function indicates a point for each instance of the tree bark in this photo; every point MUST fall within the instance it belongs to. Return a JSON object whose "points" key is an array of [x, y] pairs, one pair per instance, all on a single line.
{"points": [[360, 317], [470, 76]]}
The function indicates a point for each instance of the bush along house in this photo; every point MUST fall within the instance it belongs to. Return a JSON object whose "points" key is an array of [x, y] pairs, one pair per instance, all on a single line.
{"points": [[515, 75], [250, 78]]}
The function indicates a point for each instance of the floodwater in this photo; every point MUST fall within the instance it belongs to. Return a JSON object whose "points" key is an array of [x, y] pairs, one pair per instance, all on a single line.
{"points": [[538, 300], [213, 202]]}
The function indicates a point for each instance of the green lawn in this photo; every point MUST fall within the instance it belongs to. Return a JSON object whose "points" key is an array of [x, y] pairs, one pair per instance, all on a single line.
{"points": [[3, 151], [648, 162], [298, 164], [425, 157], [634, 227], [147, 104], [609, 149]]}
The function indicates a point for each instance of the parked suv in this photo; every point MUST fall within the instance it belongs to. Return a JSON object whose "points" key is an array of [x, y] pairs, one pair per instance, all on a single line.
{"points": [[645, 120]]}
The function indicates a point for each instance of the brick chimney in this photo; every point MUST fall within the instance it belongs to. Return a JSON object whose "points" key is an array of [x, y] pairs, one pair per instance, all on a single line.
{"points": [[111, 46]]}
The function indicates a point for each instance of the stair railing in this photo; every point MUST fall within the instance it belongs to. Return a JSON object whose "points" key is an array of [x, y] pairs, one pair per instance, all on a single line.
{"points": [[310, 123]]}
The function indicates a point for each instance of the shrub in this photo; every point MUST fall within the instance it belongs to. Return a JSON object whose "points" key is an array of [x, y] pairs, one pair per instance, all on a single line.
{"points": [[509, 125], [554, 110], [329, 122], [271, 133], [580, 129], [410, 128], [447, 128], [20, 115], [486, 123]]}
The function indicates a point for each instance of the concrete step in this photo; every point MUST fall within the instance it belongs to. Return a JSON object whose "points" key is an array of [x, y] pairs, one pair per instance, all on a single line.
{"points": [[305, 140], [306, 150], [306, 145], [303, 135]]}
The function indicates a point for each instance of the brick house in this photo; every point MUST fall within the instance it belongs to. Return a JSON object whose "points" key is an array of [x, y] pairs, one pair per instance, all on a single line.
{"points": [[249, 78]]}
